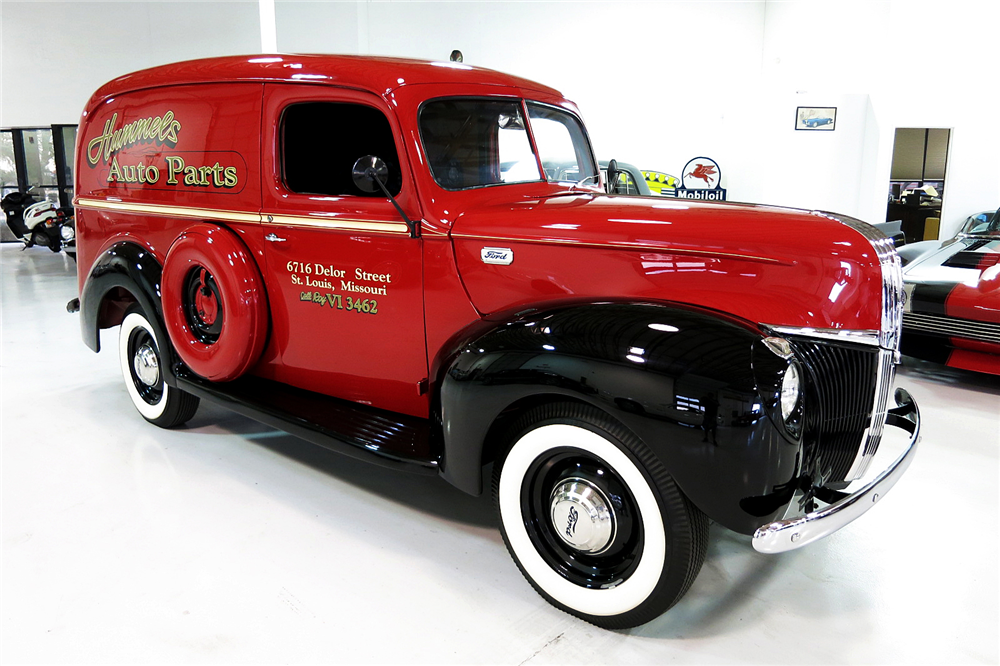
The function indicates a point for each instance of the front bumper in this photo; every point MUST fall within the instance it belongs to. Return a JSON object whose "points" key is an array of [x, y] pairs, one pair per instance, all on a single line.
{"points": [[784, 535]]}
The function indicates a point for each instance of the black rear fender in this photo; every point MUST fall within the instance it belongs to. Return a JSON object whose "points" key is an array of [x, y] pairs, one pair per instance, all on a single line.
{"points": [[125, 273]]}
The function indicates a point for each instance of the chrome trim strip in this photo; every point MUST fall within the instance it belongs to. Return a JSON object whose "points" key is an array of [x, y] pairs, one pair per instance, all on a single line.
{"points": [[880, 409], [337, 223], [784, 535], [165, 209], [863, 337], [951, 327]]}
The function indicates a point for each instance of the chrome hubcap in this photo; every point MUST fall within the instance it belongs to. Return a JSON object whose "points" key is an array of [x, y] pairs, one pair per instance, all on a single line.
{"points": [[146, 365], [582, 515]]}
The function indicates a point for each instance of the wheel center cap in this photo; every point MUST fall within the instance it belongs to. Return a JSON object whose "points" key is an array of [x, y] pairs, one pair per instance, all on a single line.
{"points": [[582, 515], [146, 365]]}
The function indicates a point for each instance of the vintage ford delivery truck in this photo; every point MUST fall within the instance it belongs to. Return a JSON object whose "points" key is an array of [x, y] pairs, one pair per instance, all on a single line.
{"points": [[416, 263]]}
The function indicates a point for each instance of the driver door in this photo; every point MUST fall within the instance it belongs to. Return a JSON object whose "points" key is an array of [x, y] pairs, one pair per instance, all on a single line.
{"points": [[343, 275]]}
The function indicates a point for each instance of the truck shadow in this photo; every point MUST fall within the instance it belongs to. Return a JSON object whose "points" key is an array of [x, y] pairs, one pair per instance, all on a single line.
{"points": [[421, 492], [730, 588]]}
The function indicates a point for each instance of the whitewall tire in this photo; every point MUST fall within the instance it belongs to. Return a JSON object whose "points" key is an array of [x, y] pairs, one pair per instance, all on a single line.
{"points": [[593, 520], [139, 353]]}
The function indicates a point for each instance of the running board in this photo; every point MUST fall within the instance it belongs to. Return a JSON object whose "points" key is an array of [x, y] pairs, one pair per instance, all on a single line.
{"points": [[375, 435]]}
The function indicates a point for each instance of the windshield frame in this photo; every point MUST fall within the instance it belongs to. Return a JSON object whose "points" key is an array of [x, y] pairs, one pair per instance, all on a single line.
{"points": [[523, 103], [993, 219]]}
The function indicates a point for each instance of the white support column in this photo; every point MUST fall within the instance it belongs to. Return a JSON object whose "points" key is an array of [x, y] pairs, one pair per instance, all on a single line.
{"points": [[268, 27], [363, 46]]}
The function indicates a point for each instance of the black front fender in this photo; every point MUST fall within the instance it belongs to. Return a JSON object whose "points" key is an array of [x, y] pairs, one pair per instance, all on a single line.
{"points": [[681, 379]]}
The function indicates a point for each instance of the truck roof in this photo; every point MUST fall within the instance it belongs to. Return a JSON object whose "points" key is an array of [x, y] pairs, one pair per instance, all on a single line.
{"points": [[376, 74]]}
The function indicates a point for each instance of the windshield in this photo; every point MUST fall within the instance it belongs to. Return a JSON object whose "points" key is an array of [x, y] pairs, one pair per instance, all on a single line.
{"points": [[983, 224], [479, 142]]}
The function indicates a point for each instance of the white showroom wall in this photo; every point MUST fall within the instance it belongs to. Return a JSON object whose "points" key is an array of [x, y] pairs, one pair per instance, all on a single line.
{"points": [[662, 82], [54, 55], [657, 82], [923, 64]]}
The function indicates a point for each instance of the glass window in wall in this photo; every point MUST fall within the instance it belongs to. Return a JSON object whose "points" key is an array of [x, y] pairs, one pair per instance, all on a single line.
{"points": [[69, 146], [40, 163], [8, 168]]}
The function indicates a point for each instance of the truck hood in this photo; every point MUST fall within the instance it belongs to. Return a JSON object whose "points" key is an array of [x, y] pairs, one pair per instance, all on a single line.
{"points": [[764, 264]]}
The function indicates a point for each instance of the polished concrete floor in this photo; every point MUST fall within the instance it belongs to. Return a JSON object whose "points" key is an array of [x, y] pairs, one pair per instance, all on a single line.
{"points": [[226, 541]]}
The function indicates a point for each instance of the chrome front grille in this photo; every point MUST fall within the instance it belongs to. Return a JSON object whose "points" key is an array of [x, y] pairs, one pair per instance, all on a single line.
{"points": [[950, 326], [848, 403], [879, 413]]}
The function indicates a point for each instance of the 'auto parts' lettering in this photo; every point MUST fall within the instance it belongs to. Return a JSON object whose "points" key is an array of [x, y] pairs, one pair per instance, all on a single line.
{"points": [[132, 173], [178, 172], [217, 175]]}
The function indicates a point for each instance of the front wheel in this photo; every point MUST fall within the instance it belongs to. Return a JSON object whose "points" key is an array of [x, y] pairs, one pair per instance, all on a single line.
{"points": [[142, 369], [592, 518]]}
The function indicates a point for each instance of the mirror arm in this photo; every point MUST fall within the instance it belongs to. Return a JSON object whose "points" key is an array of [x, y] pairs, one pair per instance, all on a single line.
{"points": [[414, 230]]}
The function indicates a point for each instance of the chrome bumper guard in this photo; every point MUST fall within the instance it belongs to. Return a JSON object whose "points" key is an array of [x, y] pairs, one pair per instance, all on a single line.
{"points": [[784, 535]]}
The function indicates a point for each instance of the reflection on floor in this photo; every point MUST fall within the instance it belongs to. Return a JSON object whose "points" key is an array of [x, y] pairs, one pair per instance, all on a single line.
{"points": [[226, 541]]}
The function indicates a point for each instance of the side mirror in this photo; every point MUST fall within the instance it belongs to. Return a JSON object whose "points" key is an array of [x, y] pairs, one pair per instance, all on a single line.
{"points": [[365, 172], [613, 172], [371, 174]]}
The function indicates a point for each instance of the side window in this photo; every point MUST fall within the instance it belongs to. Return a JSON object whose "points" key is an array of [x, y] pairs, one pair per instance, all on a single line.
{"points": [[321, 141]]}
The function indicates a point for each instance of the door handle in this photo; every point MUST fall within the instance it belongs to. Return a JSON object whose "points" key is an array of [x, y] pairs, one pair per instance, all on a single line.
{"points": [[274, 238]]}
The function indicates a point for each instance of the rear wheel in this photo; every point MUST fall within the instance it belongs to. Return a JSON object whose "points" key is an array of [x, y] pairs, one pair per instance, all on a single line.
{"points": [[39, 238], [593, 520], [142, 369]]}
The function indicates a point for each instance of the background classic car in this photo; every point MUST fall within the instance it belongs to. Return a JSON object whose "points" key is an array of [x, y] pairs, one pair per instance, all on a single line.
{"points": [[630, 180], [416, 264], [952, 310], [816, 122]]}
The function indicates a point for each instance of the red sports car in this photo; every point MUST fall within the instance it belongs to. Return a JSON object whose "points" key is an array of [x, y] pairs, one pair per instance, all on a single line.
{"points": [[952, 310]]}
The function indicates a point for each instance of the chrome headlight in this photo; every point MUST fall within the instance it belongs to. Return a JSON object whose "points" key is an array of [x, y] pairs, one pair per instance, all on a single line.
{"points": [[67, 232], [791, 391], [780, 379]]}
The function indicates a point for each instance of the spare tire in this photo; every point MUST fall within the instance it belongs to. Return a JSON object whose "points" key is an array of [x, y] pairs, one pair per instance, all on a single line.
{"points": [[214, 303]]}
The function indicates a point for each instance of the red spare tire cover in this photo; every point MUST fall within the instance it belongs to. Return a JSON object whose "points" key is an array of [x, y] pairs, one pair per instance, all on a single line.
{"points": [[214, 303]]}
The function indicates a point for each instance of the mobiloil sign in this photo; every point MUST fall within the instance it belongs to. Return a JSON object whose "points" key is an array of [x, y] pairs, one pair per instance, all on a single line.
{"points": [[702, 179]]}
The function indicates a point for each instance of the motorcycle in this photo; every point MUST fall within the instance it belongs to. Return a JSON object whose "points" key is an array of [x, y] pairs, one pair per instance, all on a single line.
{"points": [[40, 222]]}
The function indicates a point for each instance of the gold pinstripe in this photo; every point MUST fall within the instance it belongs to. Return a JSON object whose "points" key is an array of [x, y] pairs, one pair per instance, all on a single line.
{"points": [[337, 223], [165, 209], [241, 216]]}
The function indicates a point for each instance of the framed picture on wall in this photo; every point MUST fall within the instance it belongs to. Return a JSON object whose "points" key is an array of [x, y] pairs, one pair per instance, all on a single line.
{"points": [[820, 118]]}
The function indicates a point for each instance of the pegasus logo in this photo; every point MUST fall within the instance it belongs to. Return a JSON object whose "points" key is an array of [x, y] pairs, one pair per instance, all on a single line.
{"points": [[704, 172]]}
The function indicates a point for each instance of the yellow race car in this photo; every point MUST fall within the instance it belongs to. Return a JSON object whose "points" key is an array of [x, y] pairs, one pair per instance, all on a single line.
{"points": [[659, 181]]}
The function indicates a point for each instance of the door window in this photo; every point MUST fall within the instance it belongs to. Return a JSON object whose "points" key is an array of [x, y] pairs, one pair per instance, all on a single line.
{"points": [[321, 141]]}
